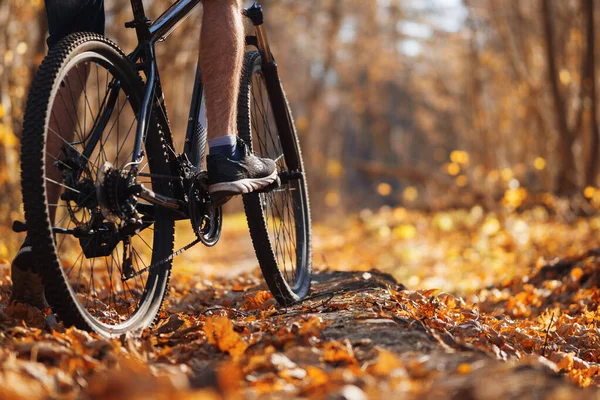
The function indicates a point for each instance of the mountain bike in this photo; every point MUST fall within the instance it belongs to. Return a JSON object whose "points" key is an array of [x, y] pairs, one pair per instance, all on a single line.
{"points": [[100, 210]]}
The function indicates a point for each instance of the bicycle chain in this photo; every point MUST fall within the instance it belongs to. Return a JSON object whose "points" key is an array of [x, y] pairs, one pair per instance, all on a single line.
{"points": [[164, 260], [171, 256]]}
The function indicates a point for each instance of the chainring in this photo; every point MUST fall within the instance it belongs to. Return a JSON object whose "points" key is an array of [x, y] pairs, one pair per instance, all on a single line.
{"points": [[205, 217]]}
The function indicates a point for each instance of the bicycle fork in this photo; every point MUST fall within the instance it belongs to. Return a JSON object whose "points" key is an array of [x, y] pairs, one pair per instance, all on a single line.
{"points": [[255, 14], [269, 66]]}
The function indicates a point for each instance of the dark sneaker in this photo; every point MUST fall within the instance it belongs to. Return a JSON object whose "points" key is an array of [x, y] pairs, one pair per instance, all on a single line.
{"points": [[228, 177], [27, 282]]}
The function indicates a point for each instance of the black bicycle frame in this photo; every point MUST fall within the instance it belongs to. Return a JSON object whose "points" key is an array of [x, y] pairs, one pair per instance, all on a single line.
{"points": [[148, 34]]}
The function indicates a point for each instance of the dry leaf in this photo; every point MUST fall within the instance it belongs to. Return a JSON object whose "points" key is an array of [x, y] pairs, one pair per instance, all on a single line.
{"points": [[219, 332]]}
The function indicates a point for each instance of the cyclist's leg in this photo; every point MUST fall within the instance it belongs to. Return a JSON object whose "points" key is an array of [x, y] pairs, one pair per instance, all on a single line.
{"points": [[221, 52], [232, 169], [69, 16], [64, 17]]}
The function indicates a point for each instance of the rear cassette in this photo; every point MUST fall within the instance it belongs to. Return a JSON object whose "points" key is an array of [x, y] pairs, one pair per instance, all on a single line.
{"points": [[115, 195]]}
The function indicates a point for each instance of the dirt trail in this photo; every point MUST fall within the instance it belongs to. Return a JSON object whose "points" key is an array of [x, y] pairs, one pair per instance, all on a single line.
{"points": [[350, 339], [362, 344], [360, 334]]}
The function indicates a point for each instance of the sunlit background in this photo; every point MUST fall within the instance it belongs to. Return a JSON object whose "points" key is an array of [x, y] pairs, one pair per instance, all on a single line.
{"points": [[446, 130]]}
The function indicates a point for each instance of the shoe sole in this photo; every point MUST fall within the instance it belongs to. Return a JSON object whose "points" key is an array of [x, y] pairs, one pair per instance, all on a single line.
{"points": [[242, 186]]}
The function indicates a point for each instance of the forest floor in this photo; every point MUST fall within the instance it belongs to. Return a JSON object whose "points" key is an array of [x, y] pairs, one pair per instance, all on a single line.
{"points": [[459, 304]]}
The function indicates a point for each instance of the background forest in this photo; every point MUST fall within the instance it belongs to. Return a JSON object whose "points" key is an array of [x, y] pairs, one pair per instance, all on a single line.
{"points": [[427, 103]]}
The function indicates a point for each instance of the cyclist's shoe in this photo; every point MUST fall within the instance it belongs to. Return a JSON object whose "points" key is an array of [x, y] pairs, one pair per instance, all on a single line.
{"points": [[228, 177], [27, 282]]}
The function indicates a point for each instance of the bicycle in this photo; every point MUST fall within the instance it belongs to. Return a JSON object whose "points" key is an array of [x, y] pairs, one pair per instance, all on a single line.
{"points": [[105, 244]]}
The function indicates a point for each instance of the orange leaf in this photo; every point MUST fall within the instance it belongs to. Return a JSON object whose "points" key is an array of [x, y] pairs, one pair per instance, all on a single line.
{"points": [[386, 362], [339, 353], [317, 376], [564, 361], [258, 300], [220, 333], [312, 327]]}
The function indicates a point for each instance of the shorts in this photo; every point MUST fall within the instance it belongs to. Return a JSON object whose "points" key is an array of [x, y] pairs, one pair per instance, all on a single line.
{"points": [[68, 16]]}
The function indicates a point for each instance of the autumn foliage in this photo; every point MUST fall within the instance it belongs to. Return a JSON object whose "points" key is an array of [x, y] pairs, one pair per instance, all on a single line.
{"points": [[452, 159], [361, 332]]}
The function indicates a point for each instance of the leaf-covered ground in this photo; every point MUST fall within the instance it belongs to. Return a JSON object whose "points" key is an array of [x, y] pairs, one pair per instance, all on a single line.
{"points": [[462, 304]]}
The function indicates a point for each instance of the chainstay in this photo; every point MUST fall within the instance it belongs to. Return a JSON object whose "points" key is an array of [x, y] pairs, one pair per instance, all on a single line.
{"points": [[165, 260], [158, 176]]}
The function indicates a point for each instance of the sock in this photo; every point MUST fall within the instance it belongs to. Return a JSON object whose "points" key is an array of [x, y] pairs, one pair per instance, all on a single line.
{"points": [[225, 146]]}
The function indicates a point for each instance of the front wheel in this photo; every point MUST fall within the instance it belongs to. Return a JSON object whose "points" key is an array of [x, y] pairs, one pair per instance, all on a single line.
{"points": [[279, 220], [81, 118]]}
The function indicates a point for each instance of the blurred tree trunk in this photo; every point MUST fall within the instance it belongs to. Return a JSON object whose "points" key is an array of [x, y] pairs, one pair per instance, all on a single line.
{"points": [[314, 138], [513, 36], [477, 114], [566, 183], [590, 87], [22, 28]]}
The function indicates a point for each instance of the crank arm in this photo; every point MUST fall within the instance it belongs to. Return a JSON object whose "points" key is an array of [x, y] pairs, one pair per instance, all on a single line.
{"points": [[287, 176], [148, 211]]}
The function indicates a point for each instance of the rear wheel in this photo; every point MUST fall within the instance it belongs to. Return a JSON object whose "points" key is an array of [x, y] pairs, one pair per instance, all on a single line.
{"points": [[279, 220], [92, 240]]}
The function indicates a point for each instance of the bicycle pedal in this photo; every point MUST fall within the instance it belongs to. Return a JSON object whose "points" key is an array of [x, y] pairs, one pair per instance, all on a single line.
{"points": [[19, 226], [276, 184]]}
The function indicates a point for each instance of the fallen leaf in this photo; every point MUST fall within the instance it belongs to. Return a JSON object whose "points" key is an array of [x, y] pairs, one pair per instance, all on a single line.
{"points": [[219, 332]]}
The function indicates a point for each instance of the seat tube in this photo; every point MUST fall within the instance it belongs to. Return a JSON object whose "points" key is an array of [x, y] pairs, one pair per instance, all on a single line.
{"points": [[139, 13], [195, 137], [146, 109]]}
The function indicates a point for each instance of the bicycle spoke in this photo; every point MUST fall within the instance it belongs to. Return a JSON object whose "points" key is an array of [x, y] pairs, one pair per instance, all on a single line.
{"points": [[62, 185], [70, 118], [279, 206], [83, 84], [73, 103]]}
